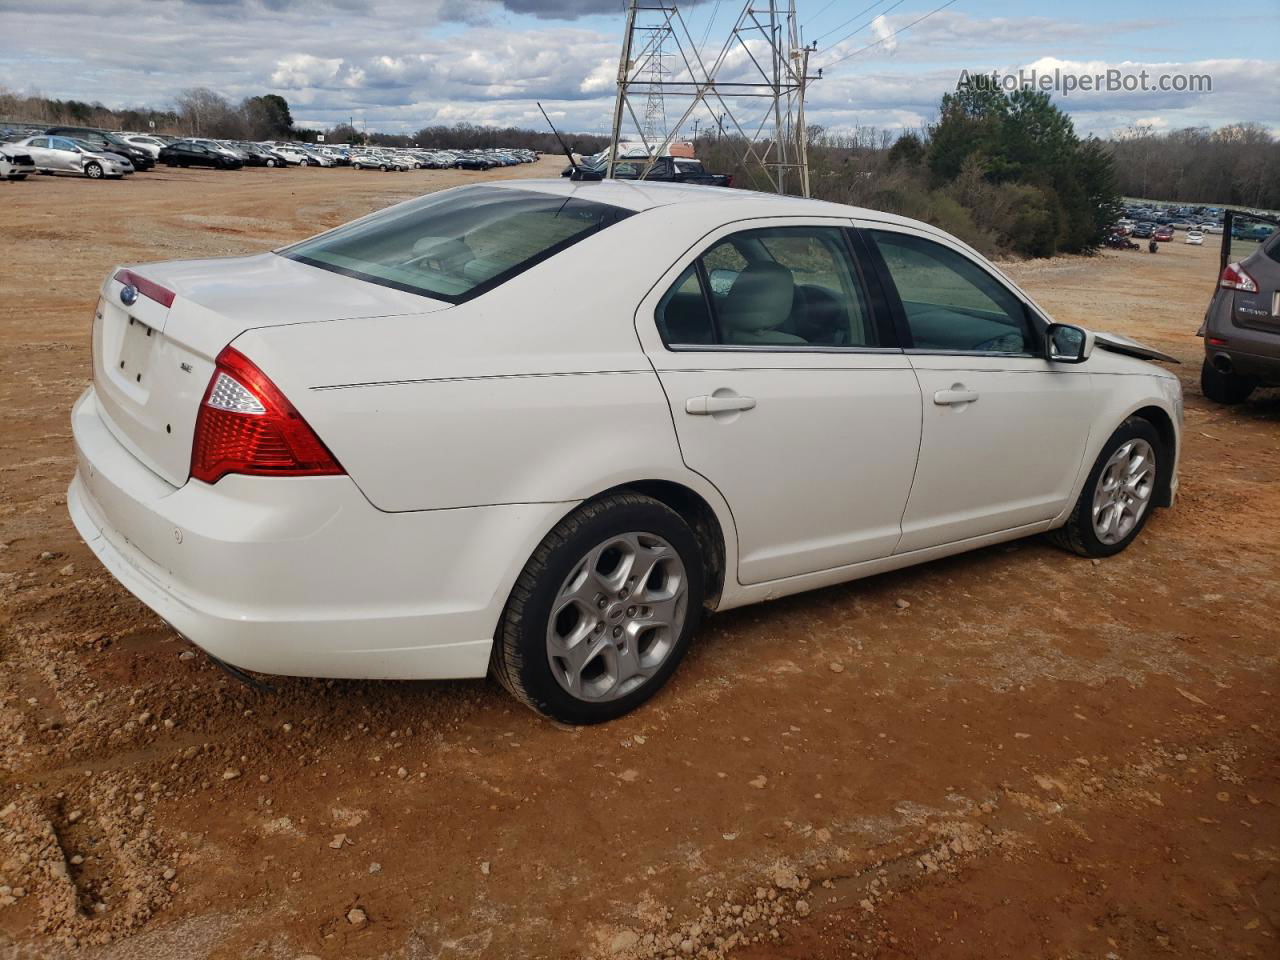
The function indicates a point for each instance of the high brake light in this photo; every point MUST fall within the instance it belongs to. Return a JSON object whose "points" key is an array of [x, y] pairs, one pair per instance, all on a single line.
{"points": [[246, 425], [1234, 278]]}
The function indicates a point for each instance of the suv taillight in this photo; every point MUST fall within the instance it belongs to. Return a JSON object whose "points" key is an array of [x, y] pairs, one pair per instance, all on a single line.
{"points": [[246, 425], [1234, 278]]}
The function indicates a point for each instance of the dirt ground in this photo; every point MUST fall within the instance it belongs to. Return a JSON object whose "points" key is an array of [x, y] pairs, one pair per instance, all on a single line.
{"points": [[1015, 753]]}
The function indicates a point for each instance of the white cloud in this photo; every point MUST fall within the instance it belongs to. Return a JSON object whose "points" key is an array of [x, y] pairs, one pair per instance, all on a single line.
{"points": [[301, 70], [884, 34]]}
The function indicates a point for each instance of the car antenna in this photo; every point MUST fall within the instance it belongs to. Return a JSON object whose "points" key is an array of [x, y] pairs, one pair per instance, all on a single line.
{"points": [[577, 171]]}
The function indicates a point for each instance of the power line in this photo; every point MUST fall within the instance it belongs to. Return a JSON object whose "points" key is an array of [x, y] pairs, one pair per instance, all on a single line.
{"points": [[830, 4], [938, 9], [702, 45], [860, 13]]}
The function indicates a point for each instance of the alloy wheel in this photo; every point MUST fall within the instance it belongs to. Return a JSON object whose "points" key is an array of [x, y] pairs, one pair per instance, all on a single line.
{"points": [[1123, 492], [617, 616]]}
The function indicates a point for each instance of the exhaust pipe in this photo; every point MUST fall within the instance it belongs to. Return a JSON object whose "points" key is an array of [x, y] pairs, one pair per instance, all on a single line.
{"points": [[1222, 363]]}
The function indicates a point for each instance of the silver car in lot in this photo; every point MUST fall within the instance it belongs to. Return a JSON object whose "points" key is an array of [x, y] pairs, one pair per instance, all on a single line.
{"points": [[65, 155]]}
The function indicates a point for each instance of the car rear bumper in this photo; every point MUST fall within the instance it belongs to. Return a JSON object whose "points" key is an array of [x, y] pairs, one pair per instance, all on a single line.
{"points": [[1264, 369], [301, 576]]}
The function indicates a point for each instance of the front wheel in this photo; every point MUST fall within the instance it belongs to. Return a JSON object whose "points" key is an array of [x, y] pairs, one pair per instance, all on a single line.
{"points": [[1118, 495], [1228, 388], [93, 171], [603, 611]]}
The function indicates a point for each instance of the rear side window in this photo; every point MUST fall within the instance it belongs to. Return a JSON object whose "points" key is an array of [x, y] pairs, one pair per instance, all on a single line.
{"points": [[456, 244], [952, 304], [779, 288]]}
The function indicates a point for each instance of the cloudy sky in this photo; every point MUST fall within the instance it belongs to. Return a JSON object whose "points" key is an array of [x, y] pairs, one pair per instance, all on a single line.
{"points": [[397, 65]]}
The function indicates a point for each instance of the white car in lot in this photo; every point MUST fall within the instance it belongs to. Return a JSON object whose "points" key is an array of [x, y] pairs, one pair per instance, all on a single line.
{"points": [[15, 162], [300, 157], [538, 428], [153, 145], [1194, 237]]}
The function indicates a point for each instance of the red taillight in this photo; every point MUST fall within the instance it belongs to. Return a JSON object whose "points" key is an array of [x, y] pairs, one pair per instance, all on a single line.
{"points": [[246, 425], [148, 288], [1234, 278]]}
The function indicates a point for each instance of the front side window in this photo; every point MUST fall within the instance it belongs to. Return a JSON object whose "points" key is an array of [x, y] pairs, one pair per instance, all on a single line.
{"points": [[952, 305], [776, 287], [456, 244]]}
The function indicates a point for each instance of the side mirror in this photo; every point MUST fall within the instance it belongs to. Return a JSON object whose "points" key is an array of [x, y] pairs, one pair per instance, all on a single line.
{"points": [[1068, 344]]}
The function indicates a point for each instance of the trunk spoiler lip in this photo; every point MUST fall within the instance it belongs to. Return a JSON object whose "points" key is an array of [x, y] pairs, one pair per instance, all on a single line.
{"points": [[1130, 347]]}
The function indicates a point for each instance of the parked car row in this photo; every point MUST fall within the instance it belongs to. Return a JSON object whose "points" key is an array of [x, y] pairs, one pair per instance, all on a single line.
{"points": [[99, 154], [1147, 221]]}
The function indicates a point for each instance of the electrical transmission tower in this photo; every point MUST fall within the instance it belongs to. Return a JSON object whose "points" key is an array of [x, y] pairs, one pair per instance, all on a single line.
{"points": [[655, 109], [753, 88]]}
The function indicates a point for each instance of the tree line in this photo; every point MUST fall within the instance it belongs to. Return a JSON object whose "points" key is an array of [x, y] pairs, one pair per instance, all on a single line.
{"points": [[1238, 164], [198, 112]]}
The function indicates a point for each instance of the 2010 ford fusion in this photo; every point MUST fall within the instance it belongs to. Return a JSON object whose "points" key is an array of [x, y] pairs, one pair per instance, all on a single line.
{"points": [[538, 428]]}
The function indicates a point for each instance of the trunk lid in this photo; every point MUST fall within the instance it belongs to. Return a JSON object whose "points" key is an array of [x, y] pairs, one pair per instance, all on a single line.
{"points": [[153, 360]]}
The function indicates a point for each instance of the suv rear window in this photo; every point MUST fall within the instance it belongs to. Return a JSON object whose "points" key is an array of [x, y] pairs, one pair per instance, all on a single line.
{"points": [[456, 244]]}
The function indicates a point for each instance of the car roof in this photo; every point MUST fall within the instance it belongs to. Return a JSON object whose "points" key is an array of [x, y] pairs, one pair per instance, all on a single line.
{"points": [[640, 195]]}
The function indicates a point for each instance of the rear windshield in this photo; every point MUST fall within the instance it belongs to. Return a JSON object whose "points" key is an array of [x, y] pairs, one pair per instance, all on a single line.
{"points": [[456, 244]]}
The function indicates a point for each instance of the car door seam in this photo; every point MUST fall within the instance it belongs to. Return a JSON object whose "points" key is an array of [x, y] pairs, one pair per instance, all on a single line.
{"points": [[906, 504]]}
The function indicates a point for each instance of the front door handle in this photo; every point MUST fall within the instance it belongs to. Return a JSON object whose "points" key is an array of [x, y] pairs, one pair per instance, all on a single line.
{"points": [[705, 406], [957, 394]]}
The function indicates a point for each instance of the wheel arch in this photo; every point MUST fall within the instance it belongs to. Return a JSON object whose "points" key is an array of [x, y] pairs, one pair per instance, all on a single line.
{"points": [[1163, 423], [701, 517]]}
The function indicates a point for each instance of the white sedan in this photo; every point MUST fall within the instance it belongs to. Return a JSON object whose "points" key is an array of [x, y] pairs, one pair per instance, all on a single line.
{"points": [[1194, 237], [539, 428]]}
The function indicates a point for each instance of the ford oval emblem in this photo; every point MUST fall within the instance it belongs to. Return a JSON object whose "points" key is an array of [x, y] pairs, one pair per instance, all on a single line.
{"points": [[129, 295]]}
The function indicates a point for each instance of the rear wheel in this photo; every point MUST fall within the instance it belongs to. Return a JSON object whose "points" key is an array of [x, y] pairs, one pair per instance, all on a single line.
{"points": [[1222, 387], [603, 611], [93, 171], [1118, 495]]}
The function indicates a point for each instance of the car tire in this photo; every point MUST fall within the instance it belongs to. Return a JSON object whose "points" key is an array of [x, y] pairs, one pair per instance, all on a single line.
{"points": [[1110, 511], [1225, 388], [382, 167], [270, 162], [613, 633], [93, 171]]}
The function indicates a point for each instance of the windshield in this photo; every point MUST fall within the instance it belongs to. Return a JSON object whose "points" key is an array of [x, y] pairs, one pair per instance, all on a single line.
{"points": [[456, 244]]}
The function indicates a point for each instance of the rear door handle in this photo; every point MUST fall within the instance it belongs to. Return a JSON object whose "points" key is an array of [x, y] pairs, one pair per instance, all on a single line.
{"points": [[956, 394], [705, 406]]}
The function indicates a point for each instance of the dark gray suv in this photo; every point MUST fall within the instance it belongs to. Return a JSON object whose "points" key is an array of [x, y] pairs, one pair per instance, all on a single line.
{"points": [[1241, 328]]}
